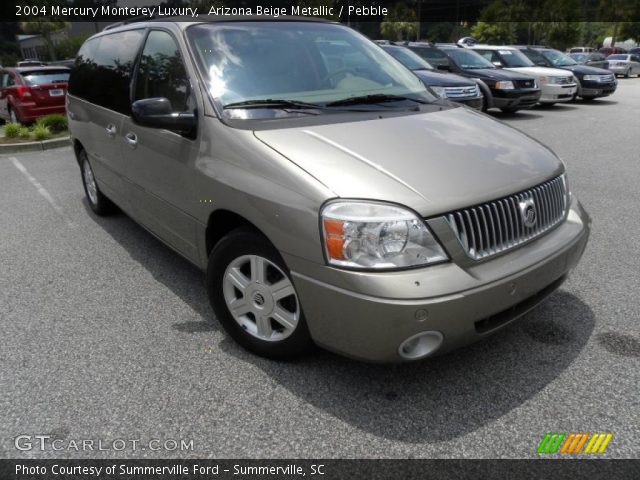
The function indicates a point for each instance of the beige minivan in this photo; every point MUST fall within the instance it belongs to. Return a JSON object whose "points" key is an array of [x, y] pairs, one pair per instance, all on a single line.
{"points": [[331, 198]]}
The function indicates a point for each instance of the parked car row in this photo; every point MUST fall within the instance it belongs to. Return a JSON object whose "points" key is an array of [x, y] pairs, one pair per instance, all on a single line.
{"points": [[509, 78]]}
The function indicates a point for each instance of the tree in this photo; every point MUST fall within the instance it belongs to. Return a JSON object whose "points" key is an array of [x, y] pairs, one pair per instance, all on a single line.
{"points": [[401, 21], [46, 30], [499, 33], [68, 47]]}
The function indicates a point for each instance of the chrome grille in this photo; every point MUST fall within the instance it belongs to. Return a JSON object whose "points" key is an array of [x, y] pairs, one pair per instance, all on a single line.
{"points": [[499, 225], [459, 92], [525, 83]]}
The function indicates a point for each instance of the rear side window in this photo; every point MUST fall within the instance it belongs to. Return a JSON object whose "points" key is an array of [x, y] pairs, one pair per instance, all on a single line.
{"points": [[102, 72], [7, 80], [161, 72], [37, 77]]}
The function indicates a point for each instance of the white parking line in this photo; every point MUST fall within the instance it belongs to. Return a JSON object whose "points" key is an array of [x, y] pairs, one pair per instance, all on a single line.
{"points": [[42, 191]]}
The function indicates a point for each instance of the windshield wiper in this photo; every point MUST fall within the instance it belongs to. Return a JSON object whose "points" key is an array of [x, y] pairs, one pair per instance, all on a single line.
{"points": [[371, 99], [273, 103]]}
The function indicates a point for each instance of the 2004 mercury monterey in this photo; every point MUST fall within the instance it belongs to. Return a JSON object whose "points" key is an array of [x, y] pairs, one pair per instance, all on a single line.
{"points": [[329, 196]]}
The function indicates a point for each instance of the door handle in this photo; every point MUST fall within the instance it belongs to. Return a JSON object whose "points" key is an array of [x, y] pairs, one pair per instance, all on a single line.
{"points": [[131, 139], [111, 130]]}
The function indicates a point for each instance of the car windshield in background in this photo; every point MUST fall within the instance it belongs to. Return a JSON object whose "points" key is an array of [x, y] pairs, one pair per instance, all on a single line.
{"points": [[617, 57], [408, 58], [514, 59], [45, 76], [468, 60], [433, 56], [311, 63], [578, 57], [559, 59]]}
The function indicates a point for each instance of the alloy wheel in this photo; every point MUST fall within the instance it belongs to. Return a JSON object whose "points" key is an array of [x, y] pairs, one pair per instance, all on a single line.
{"points": [[261, 298]]}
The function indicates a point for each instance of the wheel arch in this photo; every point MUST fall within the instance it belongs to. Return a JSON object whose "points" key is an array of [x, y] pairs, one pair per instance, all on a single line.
{"points": [[223, 221]]}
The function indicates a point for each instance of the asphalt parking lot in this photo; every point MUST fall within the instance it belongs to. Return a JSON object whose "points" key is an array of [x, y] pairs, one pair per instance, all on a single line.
{"points": [[107, 334]]}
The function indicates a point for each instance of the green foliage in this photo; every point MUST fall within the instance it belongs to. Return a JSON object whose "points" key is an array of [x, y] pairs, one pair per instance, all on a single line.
{"points": [[46, 29], [498, 33], [68, 47], [55, 122], [24, 132], [40, 132], [401, 22], [12, 130]]}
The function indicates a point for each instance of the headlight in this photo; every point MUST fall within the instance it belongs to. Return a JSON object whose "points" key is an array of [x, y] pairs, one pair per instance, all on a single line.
{"points": [[370, 235], [439, 91], [504, 85], [591, 77]]}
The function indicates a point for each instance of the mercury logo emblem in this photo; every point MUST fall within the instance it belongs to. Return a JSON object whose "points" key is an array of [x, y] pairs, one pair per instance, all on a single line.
{"points": [[258, 299], [528, 212]]}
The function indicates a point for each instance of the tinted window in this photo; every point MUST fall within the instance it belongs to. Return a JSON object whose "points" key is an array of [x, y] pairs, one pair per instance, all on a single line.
{"points": [[161, 72], [38, 77], [7, 80], [536, 57], [408, 58], [431, 55], [102, 72], [466, 59]]}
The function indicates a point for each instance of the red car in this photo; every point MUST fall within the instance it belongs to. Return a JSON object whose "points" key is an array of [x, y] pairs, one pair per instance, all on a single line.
{"points": [[27, 93]]}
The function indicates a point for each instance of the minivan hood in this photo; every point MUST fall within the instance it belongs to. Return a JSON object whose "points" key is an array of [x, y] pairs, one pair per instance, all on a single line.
{"points": [[432, 162]]}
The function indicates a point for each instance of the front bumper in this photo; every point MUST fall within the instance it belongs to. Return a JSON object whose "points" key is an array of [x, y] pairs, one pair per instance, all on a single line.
{"points": [[557, 93], [517, 99], [473, 102], [367, 315], [596, 89]]}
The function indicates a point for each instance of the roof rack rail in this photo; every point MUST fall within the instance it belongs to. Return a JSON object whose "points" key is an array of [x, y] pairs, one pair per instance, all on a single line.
{"points": [[128, 21]]}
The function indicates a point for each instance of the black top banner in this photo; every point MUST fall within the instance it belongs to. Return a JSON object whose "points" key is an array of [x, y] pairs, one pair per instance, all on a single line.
{"points": [[459, 11]]}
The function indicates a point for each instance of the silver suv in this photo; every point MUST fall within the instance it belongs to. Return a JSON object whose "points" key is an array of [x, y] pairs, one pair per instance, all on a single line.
{"points": [[330, 197]]}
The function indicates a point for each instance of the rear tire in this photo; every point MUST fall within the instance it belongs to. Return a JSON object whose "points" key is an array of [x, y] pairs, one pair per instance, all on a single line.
{"points": [[509, 110], [100, 204], [588, 99], [247, 276]]}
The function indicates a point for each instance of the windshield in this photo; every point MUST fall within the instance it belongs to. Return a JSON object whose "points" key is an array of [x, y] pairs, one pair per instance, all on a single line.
{"points": [[558, 59], [514, 59], [296, 61], [46, 76], [579, 57], [468, 60], [409, 59], [617, 57]]}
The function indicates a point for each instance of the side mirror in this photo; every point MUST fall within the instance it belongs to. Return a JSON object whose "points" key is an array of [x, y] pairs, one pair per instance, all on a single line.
{"points": [[157, 113], [445, 68]]}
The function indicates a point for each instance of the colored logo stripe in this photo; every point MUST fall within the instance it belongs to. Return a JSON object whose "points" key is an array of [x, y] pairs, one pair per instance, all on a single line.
{"points": [[572, 443]]}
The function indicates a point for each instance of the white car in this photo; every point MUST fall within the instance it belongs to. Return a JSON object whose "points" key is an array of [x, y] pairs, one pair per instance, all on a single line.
{"points": [[556, 85], [626, 64]]}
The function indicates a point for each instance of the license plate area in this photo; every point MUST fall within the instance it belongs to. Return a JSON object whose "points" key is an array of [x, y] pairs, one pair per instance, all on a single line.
{"points": [[56, 92]]}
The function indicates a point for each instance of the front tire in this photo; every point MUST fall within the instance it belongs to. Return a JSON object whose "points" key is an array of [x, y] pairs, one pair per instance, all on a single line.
{"points": [[100, 204], [509, 110], [253, 297]]}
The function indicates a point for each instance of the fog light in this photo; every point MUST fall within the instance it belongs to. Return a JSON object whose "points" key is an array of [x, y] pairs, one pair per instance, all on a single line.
{"points": [[420, 345]]}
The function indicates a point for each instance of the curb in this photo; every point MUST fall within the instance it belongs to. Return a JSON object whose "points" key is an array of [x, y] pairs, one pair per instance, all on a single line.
{"points": [[34, 146]]}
